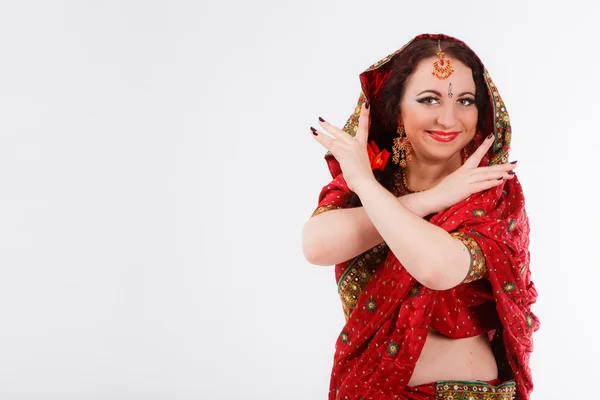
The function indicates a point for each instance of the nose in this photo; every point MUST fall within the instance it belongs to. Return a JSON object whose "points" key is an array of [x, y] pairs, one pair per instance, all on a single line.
{"points": [[446, 117]]}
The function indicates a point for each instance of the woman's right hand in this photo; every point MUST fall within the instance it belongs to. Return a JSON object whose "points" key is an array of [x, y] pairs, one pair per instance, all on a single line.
{"points": [[470, 179]]}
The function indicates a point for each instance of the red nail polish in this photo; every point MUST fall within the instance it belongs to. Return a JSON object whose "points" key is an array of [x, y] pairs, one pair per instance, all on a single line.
{"points": [[314, 131], [321, 119], [490, 136], [367, 104], [513, 162]]}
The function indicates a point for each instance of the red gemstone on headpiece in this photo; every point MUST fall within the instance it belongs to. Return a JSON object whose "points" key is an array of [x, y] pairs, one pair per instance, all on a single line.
{"points": [[441, 62]]}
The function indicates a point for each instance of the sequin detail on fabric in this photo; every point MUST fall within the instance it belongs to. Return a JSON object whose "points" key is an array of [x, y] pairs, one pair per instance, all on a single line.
{"points": [[323, 209], [459, 390], [357, 275], [333, 196], [502, 128], [402, 314], [477, 269]]}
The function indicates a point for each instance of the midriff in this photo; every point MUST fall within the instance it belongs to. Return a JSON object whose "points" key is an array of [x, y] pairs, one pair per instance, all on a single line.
{"points": [[444, 358]]}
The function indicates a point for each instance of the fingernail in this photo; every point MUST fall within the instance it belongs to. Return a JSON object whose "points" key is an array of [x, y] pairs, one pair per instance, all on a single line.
{"points": [[500, 178], [321, 119], [490, 136], [511, 172], [513, 162], [367, 105], [314, 131]]}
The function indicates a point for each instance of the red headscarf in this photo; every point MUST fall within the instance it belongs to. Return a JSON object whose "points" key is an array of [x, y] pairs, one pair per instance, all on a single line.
{"points": [[389, 313]]}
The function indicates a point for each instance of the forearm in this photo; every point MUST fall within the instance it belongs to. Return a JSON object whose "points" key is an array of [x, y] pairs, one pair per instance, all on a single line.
{"points": [[339, 235], [427, 252]]}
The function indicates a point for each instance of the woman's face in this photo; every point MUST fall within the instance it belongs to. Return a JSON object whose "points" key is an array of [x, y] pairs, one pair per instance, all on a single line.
{"points": [[439, 116]]}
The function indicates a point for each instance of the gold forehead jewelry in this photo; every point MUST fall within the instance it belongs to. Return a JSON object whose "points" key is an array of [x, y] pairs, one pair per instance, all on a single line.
{"points": [[442, 68]]}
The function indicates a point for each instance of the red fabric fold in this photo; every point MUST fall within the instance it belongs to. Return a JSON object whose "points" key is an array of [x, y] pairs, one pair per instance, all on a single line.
{"points": [[390, 313], [378, 348]]}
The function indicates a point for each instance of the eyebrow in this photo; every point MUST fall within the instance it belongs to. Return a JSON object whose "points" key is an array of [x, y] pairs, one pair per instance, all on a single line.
{"points": [[439, 94]]}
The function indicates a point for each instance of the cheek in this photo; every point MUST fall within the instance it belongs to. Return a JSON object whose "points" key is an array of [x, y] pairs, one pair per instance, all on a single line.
{"points": [[470, 118], [417, 118]]}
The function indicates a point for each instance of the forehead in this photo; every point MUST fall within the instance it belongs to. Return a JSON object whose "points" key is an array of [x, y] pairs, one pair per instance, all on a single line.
{"points": [[422, 78]]}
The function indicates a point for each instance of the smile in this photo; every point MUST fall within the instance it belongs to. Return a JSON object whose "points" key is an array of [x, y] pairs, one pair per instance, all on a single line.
{"points": [[443, 136]]}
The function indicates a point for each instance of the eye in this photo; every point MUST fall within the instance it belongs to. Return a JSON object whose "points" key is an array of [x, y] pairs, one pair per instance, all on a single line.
{"points": [[429, 100], [466, 101]]}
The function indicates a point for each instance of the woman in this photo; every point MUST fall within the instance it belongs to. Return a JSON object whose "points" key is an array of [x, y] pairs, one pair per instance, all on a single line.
{"points": [[430, 245]]}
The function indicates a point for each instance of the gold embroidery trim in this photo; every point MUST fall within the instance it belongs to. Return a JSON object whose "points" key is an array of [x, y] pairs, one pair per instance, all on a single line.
{"points": [[449, 390], [477, 269], [357, 275], [323, 209]]}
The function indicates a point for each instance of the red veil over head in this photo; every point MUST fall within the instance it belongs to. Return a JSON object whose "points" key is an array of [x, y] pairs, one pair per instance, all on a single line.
{"points": [[388, 313]]}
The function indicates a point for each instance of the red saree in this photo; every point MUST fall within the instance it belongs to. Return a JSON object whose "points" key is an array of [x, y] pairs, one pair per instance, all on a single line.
{"points": [[388, 313]]}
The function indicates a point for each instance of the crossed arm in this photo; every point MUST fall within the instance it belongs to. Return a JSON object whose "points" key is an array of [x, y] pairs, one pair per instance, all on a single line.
{"points": [[429, 253]]}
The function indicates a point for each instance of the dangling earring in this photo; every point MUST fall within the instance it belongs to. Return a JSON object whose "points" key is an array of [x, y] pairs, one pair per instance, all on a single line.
{"points": [[469, 149], [464, 155], [401, 148]]}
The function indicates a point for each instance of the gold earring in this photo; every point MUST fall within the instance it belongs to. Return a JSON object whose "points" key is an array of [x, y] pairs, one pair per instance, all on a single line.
{"points": [[470, 148], [401, 148]]}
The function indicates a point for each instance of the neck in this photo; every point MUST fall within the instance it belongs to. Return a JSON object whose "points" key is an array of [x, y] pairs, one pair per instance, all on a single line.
{"points": [[425, 174]]}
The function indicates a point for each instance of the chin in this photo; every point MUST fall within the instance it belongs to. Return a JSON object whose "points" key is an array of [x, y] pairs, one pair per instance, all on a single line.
{"points": [[442, 155], [442, 151], [445, 151]]}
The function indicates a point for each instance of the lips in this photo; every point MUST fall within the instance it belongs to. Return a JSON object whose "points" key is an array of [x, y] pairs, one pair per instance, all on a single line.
{"points": [[443, 136]]}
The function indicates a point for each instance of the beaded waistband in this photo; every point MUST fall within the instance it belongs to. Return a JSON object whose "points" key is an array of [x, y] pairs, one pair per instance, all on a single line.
{"points": [[455, 390]]}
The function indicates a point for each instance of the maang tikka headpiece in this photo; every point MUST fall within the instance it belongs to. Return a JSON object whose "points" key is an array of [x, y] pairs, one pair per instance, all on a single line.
{"points": [[442, 68]]}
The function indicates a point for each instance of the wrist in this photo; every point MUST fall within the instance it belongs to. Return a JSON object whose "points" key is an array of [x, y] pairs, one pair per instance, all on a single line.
{"points": [[423, 203], [419, 203], [365, 185], [430, 202]]}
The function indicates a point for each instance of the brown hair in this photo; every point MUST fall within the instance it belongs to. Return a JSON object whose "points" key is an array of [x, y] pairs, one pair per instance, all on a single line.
{"points": [[385, 100]]}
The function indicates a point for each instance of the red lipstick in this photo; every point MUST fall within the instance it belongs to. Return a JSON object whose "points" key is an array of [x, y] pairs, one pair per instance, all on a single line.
{"points": [[442, 136]]}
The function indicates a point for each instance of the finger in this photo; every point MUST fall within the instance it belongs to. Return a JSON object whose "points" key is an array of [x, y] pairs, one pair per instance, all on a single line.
{"points": [[492, 174], [498, 167], [325, 140], [495, 171], [477, 156], [362, 132], [481, 186], [334, 131]]}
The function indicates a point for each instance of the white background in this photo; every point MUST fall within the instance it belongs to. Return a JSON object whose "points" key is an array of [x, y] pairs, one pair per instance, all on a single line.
{"points": [[156, 170]]}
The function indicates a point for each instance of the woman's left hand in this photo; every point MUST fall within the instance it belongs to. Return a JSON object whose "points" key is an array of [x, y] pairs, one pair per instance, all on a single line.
{"points": [[350, 152]]}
